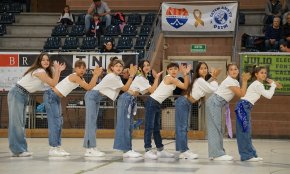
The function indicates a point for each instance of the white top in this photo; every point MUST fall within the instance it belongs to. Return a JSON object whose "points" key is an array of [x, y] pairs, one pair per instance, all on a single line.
{"points": [[201, 87], [66, 15], [66, 86], [256, 89], [32, 83], [140, 84], [163, 91], [110, 86], [224, 91]]}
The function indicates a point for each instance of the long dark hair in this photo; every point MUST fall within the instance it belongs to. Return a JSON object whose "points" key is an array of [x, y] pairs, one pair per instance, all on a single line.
{"points": [[195, 76], [37, 64], [141, 66], [64, 11], [255, 70]]}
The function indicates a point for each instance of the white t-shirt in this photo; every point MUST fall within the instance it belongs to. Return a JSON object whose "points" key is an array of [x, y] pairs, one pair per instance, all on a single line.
{"points": [[163, 91], [32, 83], [140, 84], [110, 86], [201, 87], [224, 91], [256, 89], [66, 86]]}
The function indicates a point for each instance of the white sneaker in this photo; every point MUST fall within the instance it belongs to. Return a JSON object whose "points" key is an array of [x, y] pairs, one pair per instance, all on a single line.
{"points": [[63, 151], [131, 154], [188, 155], [254, 159], [164, 154], [23, 154], [223, 158], [94, 152], [55, 151], [150, 155], [260, 159]]}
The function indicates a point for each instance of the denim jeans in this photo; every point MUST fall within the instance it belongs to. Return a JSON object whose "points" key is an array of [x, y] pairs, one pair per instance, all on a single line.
{"points": [[275, 46], [124, 128], [52, 104], [214, 105], [107, 18], [152, 124], [183, 107], [244, 139], [17, 102], [92, 101]]}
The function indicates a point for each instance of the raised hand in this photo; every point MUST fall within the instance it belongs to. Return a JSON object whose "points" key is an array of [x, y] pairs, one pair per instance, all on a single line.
{"points": [[278, 85], [269, 80], [158, 74], [246, 76], [133, 70], [62, 67], [215, 72]]}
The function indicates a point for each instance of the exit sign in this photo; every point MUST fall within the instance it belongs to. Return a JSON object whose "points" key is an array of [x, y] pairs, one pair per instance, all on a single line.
{"points": [[198, 48]]}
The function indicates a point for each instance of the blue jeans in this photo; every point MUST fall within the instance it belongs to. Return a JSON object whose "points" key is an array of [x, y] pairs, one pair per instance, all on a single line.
{"points": [[183, 107], [152, 124], [124, 128], [244, 139], [275, 46], [214, 105], [52, 104], [92, 101], [107, 18], [17, 102]]}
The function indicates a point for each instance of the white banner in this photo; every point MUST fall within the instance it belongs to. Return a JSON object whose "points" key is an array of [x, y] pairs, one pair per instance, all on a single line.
{"points": [[219, 17]]}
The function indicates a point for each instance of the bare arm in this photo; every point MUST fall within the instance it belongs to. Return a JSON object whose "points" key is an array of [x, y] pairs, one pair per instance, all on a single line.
{"points": [[240, 92], [132, 72], [155, 84]]}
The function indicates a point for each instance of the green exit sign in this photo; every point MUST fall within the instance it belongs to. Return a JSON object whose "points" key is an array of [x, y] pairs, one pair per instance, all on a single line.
{"points": [[198, 48]]}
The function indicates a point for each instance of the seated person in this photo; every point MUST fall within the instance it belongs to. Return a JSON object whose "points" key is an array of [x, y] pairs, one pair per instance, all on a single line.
{"points": [[109, 47], [273, 9], [284, 47], [273, 35], [95, 27], [66, 16], [286, 29]]}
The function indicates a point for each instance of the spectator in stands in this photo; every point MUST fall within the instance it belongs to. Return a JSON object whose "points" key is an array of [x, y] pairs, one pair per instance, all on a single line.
{"points": [[273, 9], [95, 27], [273, 35], [66, 16], [285, 9], [284, 47], [286, 29], [102, 9], [109, 47]]}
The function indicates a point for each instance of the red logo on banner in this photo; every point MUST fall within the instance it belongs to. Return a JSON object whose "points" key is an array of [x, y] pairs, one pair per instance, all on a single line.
{"points": [[7, 60]]}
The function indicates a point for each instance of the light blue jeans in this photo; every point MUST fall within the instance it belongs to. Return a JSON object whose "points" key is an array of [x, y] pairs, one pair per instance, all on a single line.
{"points": [[183, 107], [92, 101], [213, 109], [107, 18], [17, 102], [52, 104], [244, 139], [124, 128]]}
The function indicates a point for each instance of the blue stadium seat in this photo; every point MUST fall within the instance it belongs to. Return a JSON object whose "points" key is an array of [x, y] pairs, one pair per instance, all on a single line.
{"points": [[112, 30], [145, 30], [89, 43], [140, 42], [77, 30], [15, 8], [4, 7], [129, 30], [80, 19], [141, 54], [52, 43], [2, 29], [149, 19], [70, 43], [125, 42], [106, 39], [7, 18], [134, 19], [59, 30]]}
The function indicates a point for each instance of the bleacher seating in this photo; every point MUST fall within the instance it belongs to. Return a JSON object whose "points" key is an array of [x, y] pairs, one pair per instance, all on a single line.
{"points": [[140, 42], [145, 30], [80, 19], [141, 54], [106, 39], [70, 44], [112, 30], [149, 19], [59, 30], [7, 18], [15, 8], [125, 42], [52, 43], [89, 43], [77, 30], [134, 19], [2, 29], [129, 30]]}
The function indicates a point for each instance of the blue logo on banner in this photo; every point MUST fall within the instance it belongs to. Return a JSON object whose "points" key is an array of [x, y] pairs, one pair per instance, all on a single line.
{"points": [[176, 17], [221, 18]]}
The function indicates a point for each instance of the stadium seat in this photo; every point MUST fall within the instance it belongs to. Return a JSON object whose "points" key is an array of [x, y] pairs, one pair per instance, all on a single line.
{"points": [[15, 8], [52, 43], [70, 43], [59, 30], [106, 39], [2, 29], [7, 18], [140, 42], [134, 19], [4, 7], [141, 54], [112, 30], [80, 19], [149, 19], [129, 30], [89, 43], [125, 42], [145, 30], [77, 30]]}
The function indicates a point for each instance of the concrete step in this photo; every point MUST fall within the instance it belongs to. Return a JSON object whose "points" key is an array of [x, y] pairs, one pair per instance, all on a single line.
{"points": [[37, 18], [29, 30], [20, 43], [251, 29]]}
